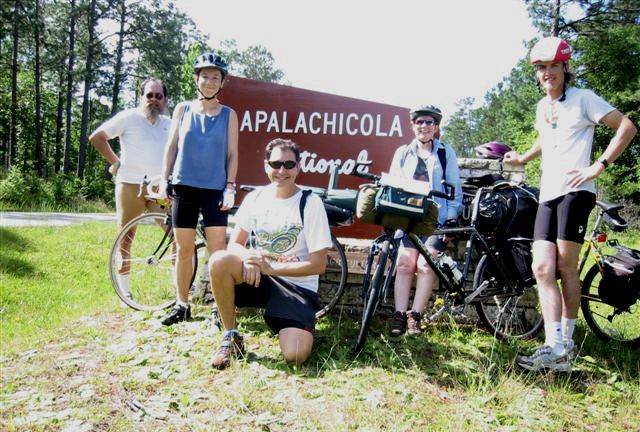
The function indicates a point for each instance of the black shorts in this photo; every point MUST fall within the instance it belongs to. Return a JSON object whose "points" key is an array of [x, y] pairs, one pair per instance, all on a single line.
{"points": [[189, 202], [433, 242], [286, 304], [564, 218]]}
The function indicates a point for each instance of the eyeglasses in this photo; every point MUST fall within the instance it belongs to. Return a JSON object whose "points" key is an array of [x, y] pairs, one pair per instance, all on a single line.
{"points": [[279, 164], [158, 96], [424, 122]]}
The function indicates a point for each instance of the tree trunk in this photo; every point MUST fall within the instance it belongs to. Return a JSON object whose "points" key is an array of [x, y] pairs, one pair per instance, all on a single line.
{"points": [[67, 138], [555, 28], [37, 79], [84, 121], [118, 67], [57, 153], [13, 135]]}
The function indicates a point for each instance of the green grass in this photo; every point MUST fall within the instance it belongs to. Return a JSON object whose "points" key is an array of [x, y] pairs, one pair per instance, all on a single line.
{"points": [[72, 356], [50, 276]]}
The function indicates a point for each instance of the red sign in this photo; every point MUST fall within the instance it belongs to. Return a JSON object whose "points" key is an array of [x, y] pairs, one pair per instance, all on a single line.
{"points": [[330, 130]]}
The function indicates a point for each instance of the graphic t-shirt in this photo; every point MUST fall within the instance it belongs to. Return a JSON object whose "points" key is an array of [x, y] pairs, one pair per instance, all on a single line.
{"points": [[275, 228]]}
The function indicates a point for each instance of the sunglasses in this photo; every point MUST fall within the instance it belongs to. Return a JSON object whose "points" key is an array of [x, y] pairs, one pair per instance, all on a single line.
{"points": [[158, 96], [424, 122], [279, 164]]}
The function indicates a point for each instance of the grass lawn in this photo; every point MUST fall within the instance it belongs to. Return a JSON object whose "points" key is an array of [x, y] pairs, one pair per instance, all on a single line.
{"points": [[72, 359]]}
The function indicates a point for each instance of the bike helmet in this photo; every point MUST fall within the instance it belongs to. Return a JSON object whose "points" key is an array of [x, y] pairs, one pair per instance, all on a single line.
{"points": [[210, 59], [426, 110], [492, 150], [550, 49]]}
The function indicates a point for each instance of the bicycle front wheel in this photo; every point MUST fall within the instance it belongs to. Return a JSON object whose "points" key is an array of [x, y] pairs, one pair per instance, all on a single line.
{"points": [[608, 322], [333, 281], [505, 314], [372, 295], [145, 251]]}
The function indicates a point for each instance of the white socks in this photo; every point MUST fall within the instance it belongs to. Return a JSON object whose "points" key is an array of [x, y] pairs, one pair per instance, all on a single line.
{"points": [[568, 326], [553, 336], [558, 334]]}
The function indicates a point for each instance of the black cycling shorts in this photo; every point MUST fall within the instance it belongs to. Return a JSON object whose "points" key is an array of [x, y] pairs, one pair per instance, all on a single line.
{"points": [[286, 304], [189, 202], [564, 218], [434, 242]]}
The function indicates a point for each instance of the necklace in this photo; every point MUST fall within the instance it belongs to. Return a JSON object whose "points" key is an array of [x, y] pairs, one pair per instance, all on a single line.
{"points": [[551, 114]]}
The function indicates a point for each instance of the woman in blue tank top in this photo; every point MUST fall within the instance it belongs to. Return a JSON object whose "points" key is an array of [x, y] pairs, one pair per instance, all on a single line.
{"points": [[202, 157]]}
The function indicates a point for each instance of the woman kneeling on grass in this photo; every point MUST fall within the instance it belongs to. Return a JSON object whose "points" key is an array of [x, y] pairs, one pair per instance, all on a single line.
{"points": [[288, 241]]}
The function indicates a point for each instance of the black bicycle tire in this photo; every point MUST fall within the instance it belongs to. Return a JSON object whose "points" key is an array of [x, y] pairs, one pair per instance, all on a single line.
{"points": [[481, 309], [372, 296], [342, 281], [589, 299], [144, 219]]}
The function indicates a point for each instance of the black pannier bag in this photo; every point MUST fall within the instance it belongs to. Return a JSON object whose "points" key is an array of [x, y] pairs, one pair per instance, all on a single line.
{"points": [[521, 260], [508, 212], [620, 283]]}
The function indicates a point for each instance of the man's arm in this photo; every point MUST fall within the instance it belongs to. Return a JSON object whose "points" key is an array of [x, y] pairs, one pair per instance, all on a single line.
{"points": [[100, 140]]}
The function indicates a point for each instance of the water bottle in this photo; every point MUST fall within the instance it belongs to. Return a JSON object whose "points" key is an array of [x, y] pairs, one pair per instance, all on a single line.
{"points": [[450, 266]]}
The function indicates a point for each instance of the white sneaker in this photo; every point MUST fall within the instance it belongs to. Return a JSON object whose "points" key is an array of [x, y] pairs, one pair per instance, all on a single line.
{"points": [[544, 358], [570, 350]]}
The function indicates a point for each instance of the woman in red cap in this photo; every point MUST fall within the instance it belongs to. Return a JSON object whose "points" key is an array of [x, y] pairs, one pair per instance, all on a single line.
{"points": [[565, 120]]}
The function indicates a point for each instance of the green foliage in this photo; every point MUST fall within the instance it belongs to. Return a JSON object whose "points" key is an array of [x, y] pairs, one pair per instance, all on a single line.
{"points": [[25, 190]]}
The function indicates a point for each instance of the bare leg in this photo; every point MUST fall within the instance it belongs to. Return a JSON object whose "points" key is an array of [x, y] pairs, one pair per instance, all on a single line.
{"points": [[425, 284], [185, 240], [225, 272], [295, 344], [405, 270], [568, 254]]}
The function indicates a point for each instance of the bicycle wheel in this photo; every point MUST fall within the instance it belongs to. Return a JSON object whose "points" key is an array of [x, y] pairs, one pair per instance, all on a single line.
{"points": [[334, 280], [506, 315], [145, 250], [372, 295], [606, 321]]}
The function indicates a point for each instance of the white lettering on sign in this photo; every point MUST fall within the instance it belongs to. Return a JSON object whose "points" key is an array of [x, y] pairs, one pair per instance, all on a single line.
{"points": [[320, 123], [309, 162]]}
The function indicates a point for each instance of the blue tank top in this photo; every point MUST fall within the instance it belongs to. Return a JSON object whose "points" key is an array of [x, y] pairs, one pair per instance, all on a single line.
{"points": [[201, 160]]}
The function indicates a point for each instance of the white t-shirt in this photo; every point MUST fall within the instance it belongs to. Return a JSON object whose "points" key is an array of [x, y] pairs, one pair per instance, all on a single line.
{"points": [[141, 144], [566, 135], [275, 228]]}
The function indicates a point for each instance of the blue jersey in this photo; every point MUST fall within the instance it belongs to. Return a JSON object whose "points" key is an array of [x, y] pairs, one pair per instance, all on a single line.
{"points": [[201, 160]]}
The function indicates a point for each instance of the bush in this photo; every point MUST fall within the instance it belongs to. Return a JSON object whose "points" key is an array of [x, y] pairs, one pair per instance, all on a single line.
{"points": [[20, 190]]}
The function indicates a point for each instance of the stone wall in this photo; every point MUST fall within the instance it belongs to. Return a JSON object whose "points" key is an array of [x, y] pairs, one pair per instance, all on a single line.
{"points": [[357, 249]]}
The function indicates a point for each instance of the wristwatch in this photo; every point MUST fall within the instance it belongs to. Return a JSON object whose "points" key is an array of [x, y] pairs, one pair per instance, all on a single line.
{"points": [[604, 162]]}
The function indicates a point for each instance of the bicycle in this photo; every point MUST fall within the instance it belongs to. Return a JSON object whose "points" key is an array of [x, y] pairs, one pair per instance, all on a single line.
{"points": [[340, 207], [609, 318], [503, 290], [151, 256]]}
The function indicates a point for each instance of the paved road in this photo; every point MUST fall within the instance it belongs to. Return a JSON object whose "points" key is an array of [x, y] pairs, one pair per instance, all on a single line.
{"points": [[51, 219]]}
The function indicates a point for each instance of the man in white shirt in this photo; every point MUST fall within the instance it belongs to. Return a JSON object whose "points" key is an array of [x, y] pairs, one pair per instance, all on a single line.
{"points": [[143, 133]]}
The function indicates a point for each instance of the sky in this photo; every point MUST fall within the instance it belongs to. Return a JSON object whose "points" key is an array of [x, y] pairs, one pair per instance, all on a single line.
{"points": [[404, 52]]}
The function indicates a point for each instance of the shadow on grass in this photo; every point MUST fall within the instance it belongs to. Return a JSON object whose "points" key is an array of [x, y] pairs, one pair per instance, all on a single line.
{"points": [[14, 243]]}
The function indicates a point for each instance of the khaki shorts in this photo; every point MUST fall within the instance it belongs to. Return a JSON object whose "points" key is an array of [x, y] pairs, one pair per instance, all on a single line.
{"points": [[129, 205]]}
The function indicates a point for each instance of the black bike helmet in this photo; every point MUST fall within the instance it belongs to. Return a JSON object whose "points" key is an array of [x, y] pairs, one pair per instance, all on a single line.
{"points": [[426, 110], [213, 60]]}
